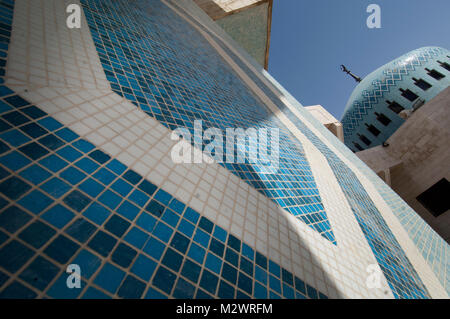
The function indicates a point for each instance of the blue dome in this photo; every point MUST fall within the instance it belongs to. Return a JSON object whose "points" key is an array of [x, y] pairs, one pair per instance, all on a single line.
{"points": [[371, 115]]}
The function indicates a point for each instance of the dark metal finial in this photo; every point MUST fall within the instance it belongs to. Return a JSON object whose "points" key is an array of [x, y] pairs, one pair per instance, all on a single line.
{"points": [[344, 69]]}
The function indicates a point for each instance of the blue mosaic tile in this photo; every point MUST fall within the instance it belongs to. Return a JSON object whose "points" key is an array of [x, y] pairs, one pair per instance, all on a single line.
{"points": [[110, 199], [93, 293], [51, 142], [14, 138], [34, 151], [226, 291], [172, 102], [245, 283], [213, 263], [35, 202], [14, 255], [128, 210], [59, 289], [136, 237], [117, 225], [35, 174], [61, 249], [53, 163], [180, 243], [72, 175], [56, 187], [88, 263], [37, 234], [39, 273], [154, 248], [146, 221], [14, 187], [155, 208], [131, 288], [17, 291], [100, 156], [109, 278], [162, 231], [153, 294], [102, 243], [229, 273], [58, 216], [209, 281], [3, 237], [97, 213], [147, 187], [191, 271], [143, 267], [172, 260], [123, 255], [14, 161], [91, 187], [164, 279], [3, 278], [183, 289], [76, 200], [34, 130], [232, 257], [13, 218]]}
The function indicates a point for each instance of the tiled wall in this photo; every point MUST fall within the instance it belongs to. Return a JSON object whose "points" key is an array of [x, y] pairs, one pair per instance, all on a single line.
{"points": [[64, 201], [436, 256], [58, 190]]}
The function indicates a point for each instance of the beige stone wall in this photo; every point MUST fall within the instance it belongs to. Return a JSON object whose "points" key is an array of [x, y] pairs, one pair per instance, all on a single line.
{"points": [[418, 156]]}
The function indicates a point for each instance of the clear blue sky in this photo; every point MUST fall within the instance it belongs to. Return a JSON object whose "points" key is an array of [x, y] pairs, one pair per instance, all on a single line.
{"points": [[311, 38]]}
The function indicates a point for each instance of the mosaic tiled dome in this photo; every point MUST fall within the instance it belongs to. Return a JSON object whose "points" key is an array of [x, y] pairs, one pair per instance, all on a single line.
{"points": [[372, 112]]}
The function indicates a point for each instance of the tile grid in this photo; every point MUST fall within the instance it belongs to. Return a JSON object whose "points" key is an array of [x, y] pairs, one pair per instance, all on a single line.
{"points": [[65, 228]]}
